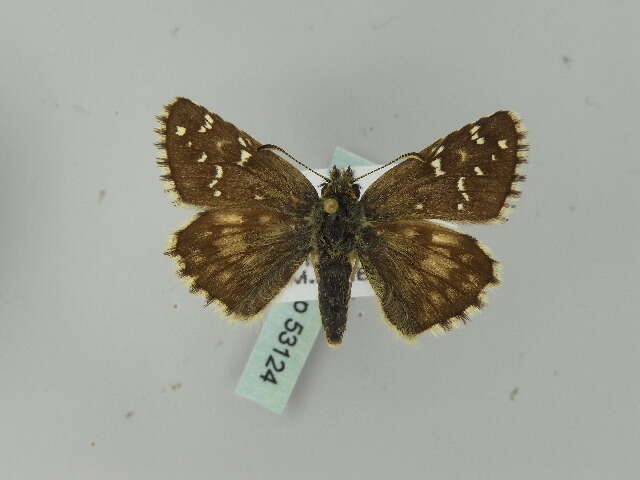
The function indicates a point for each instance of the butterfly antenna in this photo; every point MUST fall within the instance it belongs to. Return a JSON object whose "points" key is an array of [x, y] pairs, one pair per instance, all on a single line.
{"points": [[282, 150], [414, 155]]}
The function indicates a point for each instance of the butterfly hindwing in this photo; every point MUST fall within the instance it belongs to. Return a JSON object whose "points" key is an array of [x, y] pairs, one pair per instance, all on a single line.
{"points": [[426, 276], [245, 247], [241, 257], [209, 162], [466, 176]]}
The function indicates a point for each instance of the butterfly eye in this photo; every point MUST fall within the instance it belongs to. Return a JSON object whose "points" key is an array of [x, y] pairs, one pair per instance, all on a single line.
{"points": [[330, 205]]}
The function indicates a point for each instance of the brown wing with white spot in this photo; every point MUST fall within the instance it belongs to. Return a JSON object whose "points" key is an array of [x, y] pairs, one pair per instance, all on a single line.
{"points": [[466, 176], [426, 276], [209, 162], [245, 247], [240, 257]]}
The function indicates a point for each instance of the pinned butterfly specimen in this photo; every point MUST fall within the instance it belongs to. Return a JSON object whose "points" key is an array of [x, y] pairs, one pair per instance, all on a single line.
{"points": [[261, 218]]}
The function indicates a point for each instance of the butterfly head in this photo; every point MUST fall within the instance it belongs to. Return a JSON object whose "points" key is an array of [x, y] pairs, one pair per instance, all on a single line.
{"points": [[341, 183]]}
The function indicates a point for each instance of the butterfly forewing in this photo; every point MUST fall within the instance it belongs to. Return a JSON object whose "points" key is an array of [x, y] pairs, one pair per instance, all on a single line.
{"points": [[466, 176], [255, 233], [209, 162], [425, 275]]}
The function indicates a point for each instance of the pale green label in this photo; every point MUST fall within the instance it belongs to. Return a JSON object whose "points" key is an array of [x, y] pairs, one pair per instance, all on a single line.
{"points": [[288, 333]]}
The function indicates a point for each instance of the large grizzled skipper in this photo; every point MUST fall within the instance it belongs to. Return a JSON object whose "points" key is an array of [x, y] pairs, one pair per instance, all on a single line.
{"points": [[262, 218]]}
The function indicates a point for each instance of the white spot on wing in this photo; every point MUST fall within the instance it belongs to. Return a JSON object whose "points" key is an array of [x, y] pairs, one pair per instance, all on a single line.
{"points": [[202, 129], [474, 136], [212, 184], [480, 141], [502, 144], [444, 238], [440, 149], [419, 206], [229, 218], [478, 171], [461, 184], [244, 158], [460, 206], [242, 142], [220, 144], [259, 197], [217, 193], [208, 118], [474, 129], [219, 171], [437, 299], [493, 157], [436, 165], [466, 196], [180, 131], [203, 157]]}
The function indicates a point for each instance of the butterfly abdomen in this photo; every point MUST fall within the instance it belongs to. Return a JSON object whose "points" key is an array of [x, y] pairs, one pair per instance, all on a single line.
{"points": [[334, 291]]}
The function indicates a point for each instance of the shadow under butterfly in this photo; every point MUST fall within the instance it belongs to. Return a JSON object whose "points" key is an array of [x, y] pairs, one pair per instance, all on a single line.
{"points": [[262, 218]]}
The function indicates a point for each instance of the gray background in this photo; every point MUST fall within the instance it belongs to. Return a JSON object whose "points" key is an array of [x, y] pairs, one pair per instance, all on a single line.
{"points": [[109, 368]]}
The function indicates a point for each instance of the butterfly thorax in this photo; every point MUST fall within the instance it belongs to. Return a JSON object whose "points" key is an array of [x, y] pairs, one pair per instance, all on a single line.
{"points": [[337, 216]]}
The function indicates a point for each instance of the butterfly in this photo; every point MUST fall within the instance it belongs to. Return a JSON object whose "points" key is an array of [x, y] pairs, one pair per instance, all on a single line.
{"points": [[261, 218]]}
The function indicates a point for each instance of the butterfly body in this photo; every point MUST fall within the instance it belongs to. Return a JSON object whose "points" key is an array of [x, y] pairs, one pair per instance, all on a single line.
{"points": [[338, 221], [261, 218]]}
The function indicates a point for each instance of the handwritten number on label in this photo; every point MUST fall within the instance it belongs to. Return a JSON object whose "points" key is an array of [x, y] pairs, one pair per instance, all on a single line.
{"points": [[277, 367], [284, 354], [289, 337], [296, 326], [268, 376], [286, 340]]}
